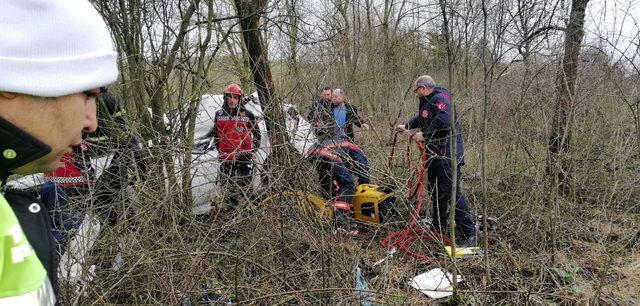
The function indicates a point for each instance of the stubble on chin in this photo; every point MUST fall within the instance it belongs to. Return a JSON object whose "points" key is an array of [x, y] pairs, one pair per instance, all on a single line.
{"points": [[42, 165]]}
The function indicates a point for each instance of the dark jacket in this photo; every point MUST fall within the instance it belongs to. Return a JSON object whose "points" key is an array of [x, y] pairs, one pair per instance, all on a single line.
{"points": [[352, 119], [433, 122], [29, 210], [112, 128], [36, 225], [319, 114], [113, 136]]}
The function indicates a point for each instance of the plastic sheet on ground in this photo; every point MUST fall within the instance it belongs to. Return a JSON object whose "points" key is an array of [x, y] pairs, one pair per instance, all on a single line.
{"points": [[435, 283], [364, 296]]}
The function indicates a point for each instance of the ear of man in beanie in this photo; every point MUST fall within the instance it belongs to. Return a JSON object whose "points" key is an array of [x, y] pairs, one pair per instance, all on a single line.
{"points": [[52, 48]]}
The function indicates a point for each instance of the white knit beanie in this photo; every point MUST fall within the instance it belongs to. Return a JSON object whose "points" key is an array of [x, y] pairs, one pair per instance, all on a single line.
{"points": [[52, 48]]}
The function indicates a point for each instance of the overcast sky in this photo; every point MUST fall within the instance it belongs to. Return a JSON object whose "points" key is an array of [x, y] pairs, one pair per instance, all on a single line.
{"points": [[618, 21]]}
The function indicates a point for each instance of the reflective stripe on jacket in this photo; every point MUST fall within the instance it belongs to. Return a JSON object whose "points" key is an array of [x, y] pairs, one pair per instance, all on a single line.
{"points": [[69, 174], [235, 133], [23, 278]]}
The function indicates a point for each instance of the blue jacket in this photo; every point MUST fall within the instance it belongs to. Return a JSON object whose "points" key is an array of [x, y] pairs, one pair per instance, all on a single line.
{"points": [[433, 121], [352, 118]]}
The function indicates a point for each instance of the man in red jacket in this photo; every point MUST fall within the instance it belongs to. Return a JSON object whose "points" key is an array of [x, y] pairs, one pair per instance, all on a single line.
{"points": [[74, 175], [236, 135]]}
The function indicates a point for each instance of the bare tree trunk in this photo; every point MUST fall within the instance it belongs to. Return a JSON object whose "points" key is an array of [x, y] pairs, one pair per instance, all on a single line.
{"points": [[203, 64], [560, 133], [488, 79], [636, 121], [452, 135], [342, 8], [292, 11], [241, 66], [388, 53], [124, 21], [250, 12], [149, 84], [566, 87], [370, 45], [158, 102]]}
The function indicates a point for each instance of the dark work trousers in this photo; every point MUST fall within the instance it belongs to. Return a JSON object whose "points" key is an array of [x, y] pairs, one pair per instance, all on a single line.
{"points": [[359, 165], [439, 176], [337, 183], [235, 179]]}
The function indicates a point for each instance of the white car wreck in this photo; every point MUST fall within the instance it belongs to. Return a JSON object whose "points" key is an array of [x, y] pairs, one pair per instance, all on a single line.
{"points": [[205, 166]]}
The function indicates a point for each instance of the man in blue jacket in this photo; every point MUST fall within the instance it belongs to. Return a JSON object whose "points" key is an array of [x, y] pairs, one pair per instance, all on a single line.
{"points": [[433, 121], [346, 116]]}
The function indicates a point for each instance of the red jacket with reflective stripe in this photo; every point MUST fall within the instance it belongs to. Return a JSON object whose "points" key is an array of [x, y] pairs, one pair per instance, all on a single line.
{"points": [[232, 133], [69, 174]]}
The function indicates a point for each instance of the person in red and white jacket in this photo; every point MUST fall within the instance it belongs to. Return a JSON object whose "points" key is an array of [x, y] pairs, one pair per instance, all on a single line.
{"points": [[236, 136], [75, 173]]}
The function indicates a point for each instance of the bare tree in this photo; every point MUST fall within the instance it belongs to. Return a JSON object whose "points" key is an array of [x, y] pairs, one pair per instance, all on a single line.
{"points": [[498, 57], [198, 83], [446, 32], [250, 12], [566, 87]]}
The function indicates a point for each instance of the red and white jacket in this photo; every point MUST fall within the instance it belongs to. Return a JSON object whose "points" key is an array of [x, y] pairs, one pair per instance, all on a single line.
{"points": [[71, 173], [235, 133]]}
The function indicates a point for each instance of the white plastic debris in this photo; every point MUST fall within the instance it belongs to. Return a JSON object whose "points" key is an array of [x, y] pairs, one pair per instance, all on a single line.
{"points": [[390, 253], [435, 283], [73, 266]]}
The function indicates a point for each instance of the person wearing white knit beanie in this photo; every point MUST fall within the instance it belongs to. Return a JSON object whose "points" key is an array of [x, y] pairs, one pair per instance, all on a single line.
{"points": [[54, 57]]}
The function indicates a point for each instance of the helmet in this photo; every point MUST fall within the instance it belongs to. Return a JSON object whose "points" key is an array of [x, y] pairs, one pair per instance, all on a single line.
{"points": [[233, 89]]}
